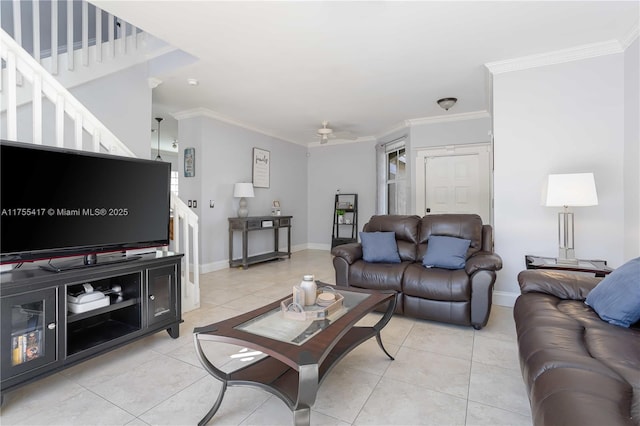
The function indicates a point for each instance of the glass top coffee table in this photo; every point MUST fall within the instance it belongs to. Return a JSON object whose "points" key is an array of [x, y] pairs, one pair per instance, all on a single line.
{"points": [[298, 353]]}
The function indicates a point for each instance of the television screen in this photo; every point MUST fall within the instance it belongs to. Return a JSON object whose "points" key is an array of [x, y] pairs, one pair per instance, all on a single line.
{"points": [[60, 202]]}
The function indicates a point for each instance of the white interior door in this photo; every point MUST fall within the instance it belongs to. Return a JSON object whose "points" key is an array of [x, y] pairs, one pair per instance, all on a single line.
{"points": [[454, 180]]}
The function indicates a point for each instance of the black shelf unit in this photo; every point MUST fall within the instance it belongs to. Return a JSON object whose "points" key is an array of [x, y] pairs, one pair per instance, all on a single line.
{"points": [[345, 219]]}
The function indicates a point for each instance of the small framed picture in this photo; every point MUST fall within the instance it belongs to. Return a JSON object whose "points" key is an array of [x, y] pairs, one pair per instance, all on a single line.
{"points": [[189, 162]]}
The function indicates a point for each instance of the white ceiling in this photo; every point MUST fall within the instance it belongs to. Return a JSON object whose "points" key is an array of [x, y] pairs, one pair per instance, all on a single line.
{"points": [[284, 67]]}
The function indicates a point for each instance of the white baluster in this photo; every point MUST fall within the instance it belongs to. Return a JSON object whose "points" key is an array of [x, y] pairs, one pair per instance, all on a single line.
{"points": [[36, 29], [12, 122], [111, 28], [70, 34], [96, 140], [85, 33], [17, 31], [98, 34], [78, 130], [54, 37], [60, 120], [123, 36], [17, 22]]}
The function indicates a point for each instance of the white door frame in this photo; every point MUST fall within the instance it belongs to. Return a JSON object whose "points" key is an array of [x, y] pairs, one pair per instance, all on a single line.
{"points": [[482, 149]]}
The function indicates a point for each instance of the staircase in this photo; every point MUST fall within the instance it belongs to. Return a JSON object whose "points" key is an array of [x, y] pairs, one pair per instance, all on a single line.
{"points": [[24, 79]]}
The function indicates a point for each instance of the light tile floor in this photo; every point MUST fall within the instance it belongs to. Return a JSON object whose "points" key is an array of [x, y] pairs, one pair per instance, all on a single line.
{"points": [[442, 374]]}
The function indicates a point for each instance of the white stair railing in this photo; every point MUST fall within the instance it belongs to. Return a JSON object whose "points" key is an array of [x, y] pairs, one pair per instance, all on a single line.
{"points": [[20, 65], [27, 26]]}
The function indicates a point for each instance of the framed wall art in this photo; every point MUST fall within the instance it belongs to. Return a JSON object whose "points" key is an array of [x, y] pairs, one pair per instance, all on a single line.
{"points": [[189, 162], [261, 168]]}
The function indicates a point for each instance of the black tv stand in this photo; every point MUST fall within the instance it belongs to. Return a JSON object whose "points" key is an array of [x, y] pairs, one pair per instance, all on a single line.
{"points": [[87, 262], [44, 331]]}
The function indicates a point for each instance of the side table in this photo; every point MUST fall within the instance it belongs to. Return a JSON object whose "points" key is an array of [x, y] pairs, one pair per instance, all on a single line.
{"points": [[598, 267]]}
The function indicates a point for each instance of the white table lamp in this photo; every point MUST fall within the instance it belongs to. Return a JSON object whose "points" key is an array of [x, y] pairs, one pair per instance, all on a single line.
{"points": [[243, 191], [574, 189]]}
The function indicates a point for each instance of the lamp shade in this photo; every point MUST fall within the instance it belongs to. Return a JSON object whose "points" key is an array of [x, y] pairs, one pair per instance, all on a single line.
{"points": [[243, 190], [573, 189]]}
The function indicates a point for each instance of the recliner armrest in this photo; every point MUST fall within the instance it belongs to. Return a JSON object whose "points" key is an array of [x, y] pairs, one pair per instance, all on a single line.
{"points": [[483, 260], [349, 252], [564, 285]]}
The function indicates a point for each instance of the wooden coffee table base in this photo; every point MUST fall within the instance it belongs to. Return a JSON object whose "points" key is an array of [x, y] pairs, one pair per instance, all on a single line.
{"points": [[292, 372]]}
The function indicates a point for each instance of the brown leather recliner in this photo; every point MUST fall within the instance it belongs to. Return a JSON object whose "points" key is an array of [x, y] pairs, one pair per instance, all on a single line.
{"points": [[460, 296]]}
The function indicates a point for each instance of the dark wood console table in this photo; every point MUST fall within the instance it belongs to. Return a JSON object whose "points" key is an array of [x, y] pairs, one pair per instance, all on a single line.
{"points": [[259, 223]]}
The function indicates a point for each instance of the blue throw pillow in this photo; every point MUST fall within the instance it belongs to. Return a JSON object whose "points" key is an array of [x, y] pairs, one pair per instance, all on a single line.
{"points": [[616, 299], [379, 247], [446, 252]]}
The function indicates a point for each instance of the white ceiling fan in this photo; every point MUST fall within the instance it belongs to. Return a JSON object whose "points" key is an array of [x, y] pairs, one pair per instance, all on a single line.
{"points": [[326, 133]]}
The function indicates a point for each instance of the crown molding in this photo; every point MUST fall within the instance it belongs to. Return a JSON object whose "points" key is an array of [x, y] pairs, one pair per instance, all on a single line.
{"points": [[403, 125], [153, 82], [556, 57], [206, 112], [630, 37], [338, 141], [475, 115]]}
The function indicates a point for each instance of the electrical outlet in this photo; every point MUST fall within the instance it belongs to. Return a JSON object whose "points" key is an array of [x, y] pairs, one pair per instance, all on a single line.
{"points": [[195, 203], [189, 203]]}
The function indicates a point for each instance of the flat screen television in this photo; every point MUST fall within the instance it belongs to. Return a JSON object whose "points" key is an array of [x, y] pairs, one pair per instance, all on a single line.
{"points": [[58, 202]]}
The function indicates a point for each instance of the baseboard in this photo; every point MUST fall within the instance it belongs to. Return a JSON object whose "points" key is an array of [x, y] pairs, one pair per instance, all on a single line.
{"points": [[312, 246], [505, 298], [214, 266]]}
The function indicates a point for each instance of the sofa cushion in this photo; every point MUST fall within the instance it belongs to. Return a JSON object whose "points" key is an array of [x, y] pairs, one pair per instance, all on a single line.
{"points": [[436, 284], [616, 299], [436, 310], [466, 226], [377, 276], [446, 252], [379, 247], [406, 228]]}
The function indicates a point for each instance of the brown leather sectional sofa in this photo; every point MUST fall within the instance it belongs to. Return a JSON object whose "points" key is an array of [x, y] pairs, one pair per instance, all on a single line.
{"points": [[578, 369], [460, 296]]}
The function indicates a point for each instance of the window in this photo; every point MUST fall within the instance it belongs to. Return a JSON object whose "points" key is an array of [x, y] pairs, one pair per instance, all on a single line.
{"points": [[396, 177], [174, 181]]}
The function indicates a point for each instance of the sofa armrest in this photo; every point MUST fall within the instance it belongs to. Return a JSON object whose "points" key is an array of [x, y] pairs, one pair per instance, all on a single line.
{"points": [[349, 252], [483, 260], [562, 284]]}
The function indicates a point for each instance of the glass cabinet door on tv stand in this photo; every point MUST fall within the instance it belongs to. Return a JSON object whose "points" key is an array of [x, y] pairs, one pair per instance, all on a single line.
{"points": [[29, 323]]}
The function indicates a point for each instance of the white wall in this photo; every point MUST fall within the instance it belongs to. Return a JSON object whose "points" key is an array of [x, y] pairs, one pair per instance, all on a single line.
{"points": [[632, 150], [350, 167], [428, 135], [563, 118], [224, 157], [122, 102]]}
